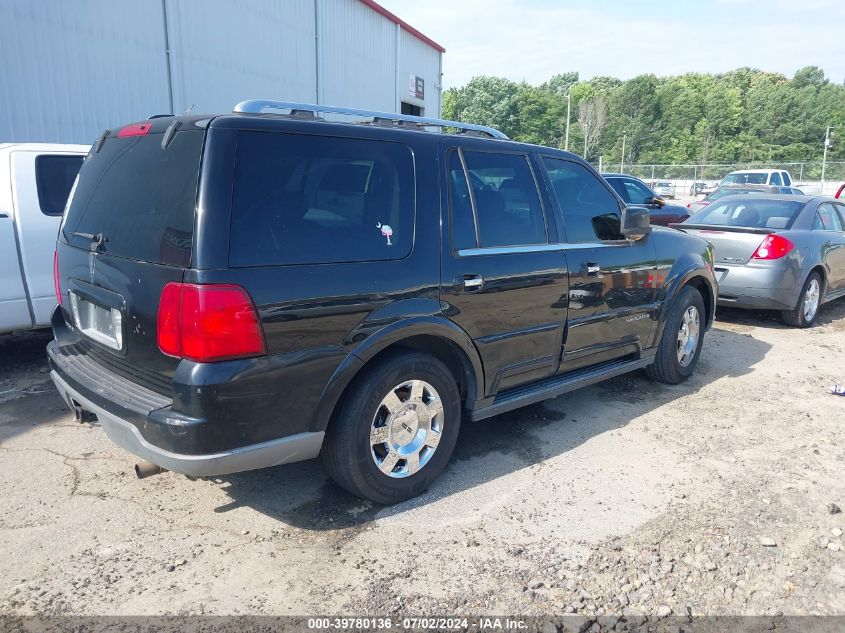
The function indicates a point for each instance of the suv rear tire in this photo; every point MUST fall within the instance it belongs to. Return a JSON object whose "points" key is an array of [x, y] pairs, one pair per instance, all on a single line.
{"points": [[395, 429], [807, 309], [683, 334]]}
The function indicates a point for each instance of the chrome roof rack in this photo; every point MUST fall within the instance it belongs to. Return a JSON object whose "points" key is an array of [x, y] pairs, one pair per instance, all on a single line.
{"points": [[310, 110]]}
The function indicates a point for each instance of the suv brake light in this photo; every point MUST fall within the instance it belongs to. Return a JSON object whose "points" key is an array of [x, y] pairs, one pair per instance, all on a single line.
{"points": [[207, 323], [136, 129], [56, 285], [773, 247]]}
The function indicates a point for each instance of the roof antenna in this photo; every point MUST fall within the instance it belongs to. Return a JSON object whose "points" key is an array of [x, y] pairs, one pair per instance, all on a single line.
{"points": [[188, 111]]}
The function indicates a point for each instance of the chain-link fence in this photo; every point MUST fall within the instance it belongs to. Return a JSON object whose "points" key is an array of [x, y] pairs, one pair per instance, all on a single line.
{"points": [[806, 175]]}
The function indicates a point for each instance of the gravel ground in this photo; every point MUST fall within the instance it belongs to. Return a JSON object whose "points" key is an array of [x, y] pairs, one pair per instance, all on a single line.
{"points": [[718, 496]]}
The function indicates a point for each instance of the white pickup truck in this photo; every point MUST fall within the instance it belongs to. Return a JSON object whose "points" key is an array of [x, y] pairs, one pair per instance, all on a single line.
{"points": [[35, 180]]}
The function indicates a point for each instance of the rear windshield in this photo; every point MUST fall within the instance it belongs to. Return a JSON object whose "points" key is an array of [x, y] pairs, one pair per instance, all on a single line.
{"points": [[307, 199], [140, 197], [54, 176], [750, 212], [746, 178], [721, 193]]}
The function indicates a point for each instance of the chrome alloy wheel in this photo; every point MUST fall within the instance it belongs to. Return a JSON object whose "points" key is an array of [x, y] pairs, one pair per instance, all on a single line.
{"points": [[811, 300], [688, 336], [406, 428]]}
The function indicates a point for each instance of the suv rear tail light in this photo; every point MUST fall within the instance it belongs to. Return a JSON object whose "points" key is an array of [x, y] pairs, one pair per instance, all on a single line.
{"points": [[56, 285], [206, 323], [773, 247]]}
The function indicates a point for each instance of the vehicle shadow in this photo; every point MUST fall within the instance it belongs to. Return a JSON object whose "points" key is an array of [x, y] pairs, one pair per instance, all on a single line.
{"points": [[301, 495], [828, 313], [27, 396]]}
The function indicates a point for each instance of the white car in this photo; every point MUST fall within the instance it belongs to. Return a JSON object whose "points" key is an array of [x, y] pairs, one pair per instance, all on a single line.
{"points": [[776, 177], [35, 181]]}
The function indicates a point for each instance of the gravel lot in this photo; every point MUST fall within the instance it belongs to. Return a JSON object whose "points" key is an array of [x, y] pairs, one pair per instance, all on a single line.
{"points": [[712, 497]]}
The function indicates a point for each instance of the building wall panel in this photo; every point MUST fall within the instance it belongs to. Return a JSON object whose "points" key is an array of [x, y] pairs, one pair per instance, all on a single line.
{"points": [[68, 70], [225, 52], [420, 60]]}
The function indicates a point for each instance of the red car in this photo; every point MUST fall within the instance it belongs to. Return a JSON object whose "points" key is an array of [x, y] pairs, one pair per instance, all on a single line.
{"points": [[839, 193]]}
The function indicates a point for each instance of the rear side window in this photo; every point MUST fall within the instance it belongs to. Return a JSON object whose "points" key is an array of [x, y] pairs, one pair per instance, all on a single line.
{"points": [[507, 204], [776, 180], [827, 219], [140, 197], [590, 211], [54, 176], [307, 199], [786, 179]]}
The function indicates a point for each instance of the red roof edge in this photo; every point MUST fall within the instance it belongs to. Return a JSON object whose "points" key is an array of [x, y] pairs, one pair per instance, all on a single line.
{"points": [[375, 6]]}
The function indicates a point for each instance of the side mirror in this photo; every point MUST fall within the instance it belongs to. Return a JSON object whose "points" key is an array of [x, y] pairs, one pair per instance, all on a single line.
{"points": [[636, 222], [655, 200]]}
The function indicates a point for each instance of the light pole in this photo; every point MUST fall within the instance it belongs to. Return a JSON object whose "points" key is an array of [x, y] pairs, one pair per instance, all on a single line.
{"points": [[622, 161], [824, 157], [568, 108]]}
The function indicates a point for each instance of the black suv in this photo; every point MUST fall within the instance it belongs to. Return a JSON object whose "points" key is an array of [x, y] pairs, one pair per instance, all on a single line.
{"points": [[254, 289]]}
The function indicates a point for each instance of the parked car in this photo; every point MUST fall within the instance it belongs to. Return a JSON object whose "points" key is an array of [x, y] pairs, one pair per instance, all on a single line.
{"points": [[776, 177], [839, 191], [664, 188], [776, 252], [35, 179], [697, 187], [252, 289], [729, 190], [635, 191]]}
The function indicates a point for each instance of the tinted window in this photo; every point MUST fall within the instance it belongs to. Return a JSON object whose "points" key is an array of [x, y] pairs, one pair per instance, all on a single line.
{"points": [[776, 180], [730, 191], [311, 199], [141, 197], [751, 212], [460, 206], [507, 205], [840, 209], [590, 211], [827, 219], [54, 176], [786, 179]]}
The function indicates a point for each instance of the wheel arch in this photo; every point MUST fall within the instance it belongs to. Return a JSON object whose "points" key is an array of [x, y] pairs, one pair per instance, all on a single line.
{"points": [[697, 277], [440, 338]]}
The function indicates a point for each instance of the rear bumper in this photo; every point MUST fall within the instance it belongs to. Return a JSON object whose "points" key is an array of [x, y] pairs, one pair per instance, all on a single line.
{"points": [[758, 287], [123, 409]]}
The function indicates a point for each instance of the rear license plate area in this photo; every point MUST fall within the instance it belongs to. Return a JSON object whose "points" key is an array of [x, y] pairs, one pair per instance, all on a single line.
{"points": [[103, 325]]}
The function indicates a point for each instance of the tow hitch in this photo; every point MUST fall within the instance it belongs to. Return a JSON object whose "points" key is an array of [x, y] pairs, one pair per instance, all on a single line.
{"points": [[81, 414]]}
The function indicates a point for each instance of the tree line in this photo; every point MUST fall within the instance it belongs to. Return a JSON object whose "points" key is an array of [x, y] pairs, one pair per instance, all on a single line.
{"points": [[745, 115]]}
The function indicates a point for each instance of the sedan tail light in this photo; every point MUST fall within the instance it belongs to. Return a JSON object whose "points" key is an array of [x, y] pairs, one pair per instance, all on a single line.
{"points": [[209, 322], [773, 247]]}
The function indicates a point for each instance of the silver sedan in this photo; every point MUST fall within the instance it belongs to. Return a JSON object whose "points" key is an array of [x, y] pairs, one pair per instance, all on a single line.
{"points": [[776, 252]]}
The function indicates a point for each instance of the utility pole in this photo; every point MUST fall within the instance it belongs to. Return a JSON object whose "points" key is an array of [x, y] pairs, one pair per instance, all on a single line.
{"points": [[568, 107], [622, 161], [824, 157]]}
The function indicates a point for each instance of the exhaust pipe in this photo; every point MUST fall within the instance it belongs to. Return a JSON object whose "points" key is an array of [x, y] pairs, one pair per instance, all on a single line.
{"points": [[147, 469]]}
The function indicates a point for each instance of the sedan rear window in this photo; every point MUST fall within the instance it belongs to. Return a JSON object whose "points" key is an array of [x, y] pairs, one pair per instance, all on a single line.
{"points": [[750, 212]]}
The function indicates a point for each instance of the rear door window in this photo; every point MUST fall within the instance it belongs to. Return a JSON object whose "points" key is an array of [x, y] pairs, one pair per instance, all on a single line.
{"points": [[54, 176], [590, 212], [506, 201], [827, 219], [776, 180], [308, 199], [140, 197]]}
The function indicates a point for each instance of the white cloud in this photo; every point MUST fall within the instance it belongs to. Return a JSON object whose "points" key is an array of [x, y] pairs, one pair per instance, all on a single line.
{"points": [[531, 40]]}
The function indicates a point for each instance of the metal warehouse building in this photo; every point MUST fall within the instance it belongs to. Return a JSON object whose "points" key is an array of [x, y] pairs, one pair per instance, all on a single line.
{"points": [[68, 70]]}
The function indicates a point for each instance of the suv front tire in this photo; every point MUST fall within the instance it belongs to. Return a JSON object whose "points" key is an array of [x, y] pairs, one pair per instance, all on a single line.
{"points": [[395, 429]]}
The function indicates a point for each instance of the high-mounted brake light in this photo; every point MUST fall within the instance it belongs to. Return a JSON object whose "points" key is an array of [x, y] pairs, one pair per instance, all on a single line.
{"points": [[56, 285], [207, 323], [136, 129], [773, 247]]}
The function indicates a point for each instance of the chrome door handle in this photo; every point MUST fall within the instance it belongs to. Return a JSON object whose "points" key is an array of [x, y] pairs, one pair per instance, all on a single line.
{"points": [[473, 282]]}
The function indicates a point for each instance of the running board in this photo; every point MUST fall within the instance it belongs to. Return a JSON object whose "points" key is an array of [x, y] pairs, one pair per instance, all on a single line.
{"points": [[559, 385]]}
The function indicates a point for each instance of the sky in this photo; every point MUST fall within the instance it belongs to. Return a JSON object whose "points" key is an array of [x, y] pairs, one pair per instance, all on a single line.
{"points": [[532, 40]]}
